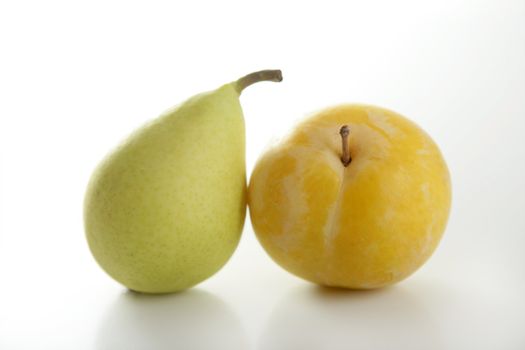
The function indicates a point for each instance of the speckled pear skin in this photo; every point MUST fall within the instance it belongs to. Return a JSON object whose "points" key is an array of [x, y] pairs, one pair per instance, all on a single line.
{"points": [[367, 225], [165, 210]]}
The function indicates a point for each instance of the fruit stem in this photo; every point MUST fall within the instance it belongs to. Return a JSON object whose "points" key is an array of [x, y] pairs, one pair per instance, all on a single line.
{"points": [[345, 158], [255, 77]]}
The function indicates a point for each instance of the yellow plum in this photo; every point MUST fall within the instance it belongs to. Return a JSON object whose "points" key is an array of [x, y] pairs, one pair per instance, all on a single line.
{"points": [[356, 196]]}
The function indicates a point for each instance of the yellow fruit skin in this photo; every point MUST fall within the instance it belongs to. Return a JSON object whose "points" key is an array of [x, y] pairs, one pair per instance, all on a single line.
{"points": [[367, 225]]}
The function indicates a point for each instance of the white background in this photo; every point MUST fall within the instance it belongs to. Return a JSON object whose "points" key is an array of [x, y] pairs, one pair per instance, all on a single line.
{"points": [[76, 77]]}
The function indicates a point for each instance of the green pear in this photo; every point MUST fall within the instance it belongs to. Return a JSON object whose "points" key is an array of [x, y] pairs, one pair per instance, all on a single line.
{"points": [[165, 210]]}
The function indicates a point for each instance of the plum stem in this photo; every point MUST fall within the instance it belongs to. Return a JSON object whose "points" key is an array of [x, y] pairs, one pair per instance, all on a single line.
{"points": [[255, 77], [345, 158]]}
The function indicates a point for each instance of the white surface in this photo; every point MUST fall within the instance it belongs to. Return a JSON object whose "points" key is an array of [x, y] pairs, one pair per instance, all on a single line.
{"points": [[76, 77]]}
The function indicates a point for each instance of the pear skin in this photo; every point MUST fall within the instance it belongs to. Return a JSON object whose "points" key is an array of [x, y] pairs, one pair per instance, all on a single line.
{"points": [[165, 210]]}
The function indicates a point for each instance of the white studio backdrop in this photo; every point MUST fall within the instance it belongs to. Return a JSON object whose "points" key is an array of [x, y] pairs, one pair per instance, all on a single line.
{"points": [[76, 77]]}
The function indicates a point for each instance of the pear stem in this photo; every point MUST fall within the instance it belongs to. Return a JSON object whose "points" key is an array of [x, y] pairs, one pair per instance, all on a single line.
{"points": [[345, 158], [252, 78]]}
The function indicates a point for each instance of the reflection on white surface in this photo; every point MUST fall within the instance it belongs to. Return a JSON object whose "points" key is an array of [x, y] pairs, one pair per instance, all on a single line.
{"points": [[189, 320], [320, 318]]}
